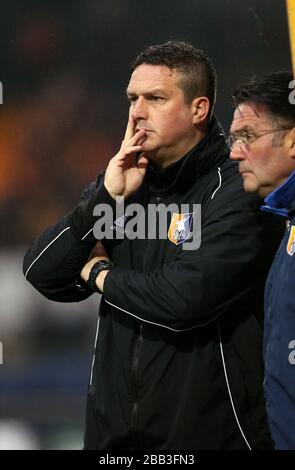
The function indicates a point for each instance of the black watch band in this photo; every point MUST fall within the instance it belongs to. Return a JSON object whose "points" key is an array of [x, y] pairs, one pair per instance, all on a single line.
{"points": [[101, 265]]}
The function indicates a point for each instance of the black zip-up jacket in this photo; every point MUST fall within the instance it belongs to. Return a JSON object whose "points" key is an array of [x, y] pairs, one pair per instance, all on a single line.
{"points": [[178, 354]]}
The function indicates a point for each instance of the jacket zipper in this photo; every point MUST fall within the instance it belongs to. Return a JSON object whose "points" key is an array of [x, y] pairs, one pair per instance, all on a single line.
{"points": [[137, 350], [135, 377]]}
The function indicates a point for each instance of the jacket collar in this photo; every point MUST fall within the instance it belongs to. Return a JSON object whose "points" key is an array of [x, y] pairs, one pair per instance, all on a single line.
{"points": [[211, 150], [281, 201]]}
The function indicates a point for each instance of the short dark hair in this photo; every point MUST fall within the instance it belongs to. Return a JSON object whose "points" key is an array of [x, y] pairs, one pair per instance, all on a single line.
{"points": [[272, 92], [198, 72]]}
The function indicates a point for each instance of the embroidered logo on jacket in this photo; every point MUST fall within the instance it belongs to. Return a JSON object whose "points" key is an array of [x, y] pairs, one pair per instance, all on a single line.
{"points": [[180, 228], [291, 241]]}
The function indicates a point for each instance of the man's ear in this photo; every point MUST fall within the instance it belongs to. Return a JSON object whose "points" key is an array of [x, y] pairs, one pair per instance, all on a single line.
{"points": [[200, 107], [292, 135], [291, 142]]}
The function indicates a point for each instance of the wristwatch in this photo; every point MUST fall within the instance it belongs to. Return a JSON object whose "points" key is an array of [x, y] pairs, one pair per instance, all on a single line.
{"points": [[101, 265]]}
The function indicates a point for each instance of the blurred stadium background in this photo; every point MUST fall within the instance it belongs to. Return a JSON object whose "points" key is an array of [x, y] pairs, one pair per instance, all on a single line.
{"points": [[64, 66]]}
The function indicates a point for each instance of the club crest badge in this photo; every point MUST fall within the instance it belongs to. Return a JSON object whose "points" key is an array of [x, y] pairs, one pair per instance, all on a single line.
{"points": [[180, 228], [291, 241]]}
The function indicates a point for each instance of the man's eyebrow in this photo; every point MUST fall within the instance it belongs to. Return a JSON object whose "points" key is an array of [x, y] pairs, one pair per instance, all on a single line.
{"points": [[246, 128], [153, 91], [129, 93], [156, 91]]}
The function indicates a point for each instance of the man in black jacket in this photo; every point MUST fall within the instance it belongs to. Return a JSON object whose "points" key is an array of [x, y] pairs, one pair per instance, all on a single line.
{"points": [[178, 360]]}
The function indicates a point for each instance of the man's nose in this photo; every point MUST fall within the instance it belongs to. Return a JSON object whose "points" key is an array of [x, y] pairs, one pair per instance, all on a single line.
{"points": [[139, 109], [236, 153]]}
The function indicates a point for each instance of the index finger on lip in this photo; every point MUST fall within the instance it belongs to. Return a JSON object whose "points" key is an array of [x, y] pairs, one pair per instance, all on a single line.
{"points": [[130, 129]]}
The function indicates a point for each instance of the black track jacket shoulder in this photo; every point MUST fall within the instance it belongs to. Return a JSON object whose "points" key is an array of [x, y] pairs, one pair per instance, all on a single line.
{"points": [[178, 355]]}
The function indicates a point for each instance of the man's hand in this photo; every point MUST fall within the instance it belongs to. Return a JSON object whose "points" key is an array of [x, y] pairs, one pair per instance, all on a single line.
{"points": [[124, 174], [98, 253]]}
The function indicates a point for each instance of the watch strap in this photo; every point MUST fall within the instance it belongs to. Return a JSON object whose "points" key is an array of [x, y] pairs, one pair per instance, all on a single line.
{"points": [[101, 265]]}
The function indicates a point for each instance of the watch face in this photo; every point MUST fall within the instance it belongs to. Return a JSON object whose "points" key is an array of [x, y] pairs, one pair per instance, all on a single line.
{"points": [[104, 263]]}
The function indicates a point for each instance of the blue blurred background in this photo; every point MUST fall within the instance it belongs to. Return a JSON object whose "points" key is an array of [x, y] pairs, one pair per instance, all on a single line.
{"points": [[64, 66]]}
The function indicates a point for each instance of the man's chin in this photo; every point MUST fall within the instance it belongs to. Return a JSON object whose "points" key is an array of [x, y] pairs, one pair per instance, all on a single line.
{"points": [[149, 150], [147, 146], [250, 185]]}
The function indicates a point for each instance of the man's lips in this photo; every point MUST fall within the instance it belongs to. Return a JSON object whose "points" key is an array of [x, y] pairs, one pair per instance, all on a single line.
{"points": [[143, 128], [244, 172]]}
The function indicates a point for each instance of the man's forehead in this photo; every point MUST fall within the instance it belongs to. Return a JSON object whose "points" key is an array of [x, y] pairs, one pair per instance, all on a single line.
{"points": [[249, 113], [152, 75]]}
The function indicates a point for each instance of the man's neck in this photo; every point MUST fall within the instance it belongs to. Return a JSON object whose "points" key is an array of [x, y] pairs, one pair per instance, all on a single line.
{"points": [[162, 158]]}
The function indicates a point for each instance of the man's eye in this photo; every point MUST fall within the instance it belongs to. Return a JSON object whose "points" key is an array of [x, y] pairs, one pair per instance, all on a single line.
{"points": [[156, 98], [132, 99], [248, 136]]}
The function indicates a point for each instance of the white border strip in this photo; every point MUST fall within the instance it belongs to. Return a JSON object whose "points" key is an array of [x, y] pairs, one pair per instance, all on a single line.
{"points": [[87, 234], [49, 244], [220, 181], [159, 324], [94, 354], [228, 387]]}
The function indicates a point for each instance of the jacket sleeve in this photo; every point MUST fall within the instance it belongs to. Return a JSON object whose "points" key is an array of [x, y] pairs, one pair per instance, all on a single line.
{"points": [[54, 261], [237, 246]]}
